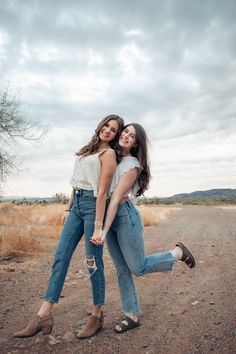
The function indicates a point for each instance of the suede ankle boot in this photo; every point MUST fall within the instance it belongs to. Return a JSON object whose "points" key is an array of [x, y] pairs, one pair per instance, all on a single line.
{"points": [[93, 325], [37, 324]]}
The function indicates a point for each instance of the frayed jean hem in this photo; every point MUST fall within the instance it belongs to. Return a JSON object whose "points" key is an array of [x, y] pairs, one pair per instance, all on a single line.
{"points": [[49, 299]]}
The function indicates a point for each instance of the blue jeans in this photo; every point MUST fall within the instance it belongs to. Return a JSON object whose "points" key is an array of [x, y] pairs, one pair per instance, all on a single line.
{"points": [[126, 246], [79, 221]]}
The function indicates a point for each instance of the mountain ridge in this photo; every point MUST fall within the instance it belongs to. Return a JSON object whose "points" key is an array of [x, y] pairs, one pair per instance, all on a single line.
{"points": [[218, 193], [209, 193]]}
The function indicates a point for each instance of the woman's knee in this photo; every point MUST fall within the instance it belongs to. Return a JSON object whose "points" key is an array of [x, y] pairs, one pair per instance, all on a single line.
{"points": [[91, 265], [136, 270], [122, 271], [94, 264]]}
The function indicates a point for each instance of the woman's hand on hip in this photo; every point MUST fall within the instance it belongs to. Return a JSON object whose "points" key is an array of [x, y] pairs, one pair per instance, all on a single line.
{"points": [[64, 216]]}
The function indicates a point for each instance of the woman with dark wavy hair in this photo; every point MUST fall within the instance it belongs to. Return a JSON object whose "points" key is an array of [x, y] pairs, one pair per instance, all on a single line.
{"points": [[94, 167], [123, 227]]}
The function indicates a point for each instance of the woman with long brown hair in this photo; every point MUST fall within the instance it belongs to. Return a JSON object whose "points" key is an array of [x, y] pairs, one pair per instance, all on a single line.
{"points": [[94, 167], [123, 227]]}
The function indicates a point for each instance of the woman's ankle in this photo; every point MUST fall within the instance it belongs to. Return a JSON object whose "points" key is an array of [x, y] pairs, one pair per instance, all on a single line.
{"points": [[43, 314], [132, 315], [45, 309], [177, 252], [97, 311]]}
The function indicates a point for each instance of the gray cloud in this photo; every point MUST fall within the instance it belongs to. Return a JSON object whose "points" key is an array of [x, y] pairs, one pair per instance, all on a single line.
{"points": [[169, 65]]}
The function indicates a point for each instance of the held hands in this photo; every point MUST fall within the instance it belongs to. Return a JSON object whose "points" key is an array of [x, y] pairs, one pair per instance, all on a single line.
{"points": [[98, 237]]}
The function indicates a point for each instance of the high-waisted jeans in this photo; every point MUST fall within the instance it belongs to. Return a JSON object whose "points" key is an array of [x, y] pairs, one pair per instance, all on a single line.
{"points": [[79, 221], [126, 245]]}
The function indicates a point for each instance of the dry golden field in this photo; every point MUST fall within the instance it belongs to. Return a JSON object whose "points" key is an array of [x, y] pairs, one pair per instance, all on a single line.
{"points": [[23, 228], [195, 307], [154, 214]]}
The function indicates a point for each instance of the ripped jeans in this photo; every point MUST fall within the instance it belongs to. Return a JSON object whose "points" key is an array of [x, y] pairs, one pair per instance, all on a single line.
{"points": [[126, 246], [79, 222]]}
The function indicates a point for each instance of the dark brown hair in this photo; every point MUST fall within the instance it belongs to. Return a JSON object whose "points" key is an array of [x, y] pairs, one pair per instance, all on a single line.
{"points": [[140, 151], [93, 144]]}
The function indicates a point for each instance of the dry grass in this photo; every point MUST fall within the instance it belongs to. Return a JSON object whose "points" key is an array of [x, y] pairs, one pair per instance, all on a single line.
{"points": [[25, 228], [227, 207], [153, 215]]}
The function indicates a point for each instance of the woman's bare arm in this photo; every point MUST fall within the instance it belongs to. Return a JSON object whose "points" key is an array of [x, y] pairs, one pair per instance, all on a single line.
{"points": [[108, 166], [69, 206], [126, 181]]}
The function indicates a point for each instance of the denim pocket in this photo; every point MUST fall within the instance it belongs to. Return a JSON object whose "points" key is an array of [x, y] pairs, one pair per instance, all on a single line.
{"points": [[132, 218], [87, 206], [135, 218], [139, 218], [122, 210]]}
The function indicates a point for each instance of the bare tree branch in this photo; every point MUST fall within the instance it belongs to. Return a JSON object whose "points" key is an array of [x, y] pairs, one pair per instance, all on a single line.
{"points": [[14, 125]]}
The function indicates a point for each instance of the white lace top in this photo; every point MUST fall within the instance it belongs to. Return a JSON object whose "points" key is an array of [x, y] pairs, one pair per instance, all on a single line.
{"points": [[127, 163], [86, 172]]}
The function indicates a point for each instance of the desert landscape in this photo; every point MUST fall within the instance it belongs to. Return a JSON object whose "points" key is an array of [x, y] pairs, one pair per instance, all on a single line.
{"points": [[72, 72], [185, 311]]}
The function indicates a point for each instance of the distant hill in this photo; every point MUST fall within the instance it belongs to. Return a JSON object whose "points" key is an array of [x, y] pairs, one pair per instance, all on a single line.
{"points": [[30, 199], [60, 198], [210, 197], [211, 193]]}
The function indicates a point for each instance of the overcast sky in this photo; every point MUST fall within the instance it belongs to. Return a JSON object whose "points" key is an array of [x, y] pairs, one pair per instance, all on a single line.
{"points": [[169, 65]]}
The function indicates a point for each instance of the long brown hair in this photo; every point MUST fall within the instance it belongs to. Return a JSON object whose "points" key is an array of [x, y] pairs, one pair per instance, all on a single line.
{"points": [[140, 151], [93, 144]]}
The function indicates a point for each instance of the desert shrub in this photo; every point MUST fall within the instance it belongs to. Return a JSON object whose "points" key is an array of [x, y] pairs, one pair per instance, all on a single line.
{"points": [[23, 228], [15, 241], [153, 215]]}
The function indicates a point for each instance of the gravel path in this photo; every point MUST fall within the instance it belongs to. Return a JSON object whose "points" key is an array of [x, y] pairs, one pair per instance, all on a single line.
{"points": [[186, 311]]}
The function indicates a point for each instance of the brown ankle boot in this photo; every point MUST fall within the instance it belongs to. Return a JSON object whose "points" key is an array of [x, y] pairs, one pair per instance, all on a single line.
{"points": [[37, 324], [93, 325]]}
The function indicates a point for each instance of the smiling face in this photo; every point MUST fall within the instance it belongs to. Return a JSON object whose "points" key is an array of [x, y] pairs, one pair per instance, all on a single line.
{"points": [[108, 132], [128, 139]]}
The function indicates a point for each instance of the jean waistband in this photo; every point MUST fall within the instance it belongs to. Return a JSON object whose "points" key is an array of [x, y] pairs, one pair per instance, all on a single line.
{"points": [[127, 203], [84, 192]]}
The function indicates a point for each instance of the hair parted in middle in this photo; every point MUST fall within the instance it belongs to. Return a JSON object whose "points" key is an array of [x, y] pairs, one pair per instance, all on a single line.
{"points": [[93, 144]]}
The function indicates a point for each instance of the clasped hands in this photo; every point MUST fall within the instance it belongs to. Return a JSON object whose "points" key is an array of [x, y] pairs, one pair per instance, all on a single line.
{"points": [[98, 237]]}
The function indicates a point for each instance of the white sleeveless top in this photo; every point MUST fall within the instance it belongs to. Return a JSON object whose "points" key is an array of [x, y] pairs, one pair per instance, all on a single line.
{"points": [[86, 172], [127, 163]]}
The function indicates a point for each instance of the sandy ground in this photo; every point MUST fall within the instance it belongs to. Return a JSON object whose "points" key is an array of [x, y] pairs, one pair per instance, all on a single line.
{"points": [[186, 311]]}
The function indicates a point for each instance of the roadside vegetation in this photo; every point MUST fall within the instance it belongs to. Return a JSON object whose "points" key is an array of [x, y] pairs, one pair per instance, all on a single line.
{"points": [[23, 228], [190, 201], [28, 225], [26, 228]]}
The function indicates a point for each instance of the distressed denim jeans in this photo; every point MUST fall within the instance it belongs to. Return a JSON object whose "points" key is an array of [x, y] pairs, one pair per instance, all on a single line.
{"points": [[79, 221], [125, 243]]}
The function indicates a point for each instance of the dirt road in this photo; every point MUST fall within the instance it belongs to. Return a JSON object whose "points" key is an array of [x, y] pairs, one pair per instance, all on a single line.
{"points": [[186, 311]]}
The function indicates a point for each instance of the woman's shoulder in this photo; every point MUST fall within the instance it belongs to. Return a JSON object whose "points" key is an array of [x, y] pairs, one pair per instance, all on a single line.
{"points": [[107, 153], [127, 163], [130, 160]]}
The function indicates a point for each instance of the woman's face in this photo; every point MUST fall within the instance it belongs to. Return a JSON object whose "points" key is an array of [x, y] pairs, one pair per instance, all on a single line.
{"points": [[128, 138], [109, 130]]}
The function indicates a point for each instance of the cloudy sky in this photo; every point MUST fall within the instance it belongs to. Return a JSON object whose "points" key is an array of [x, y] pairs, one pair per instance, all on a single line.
{"points": [[169, 65]]}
